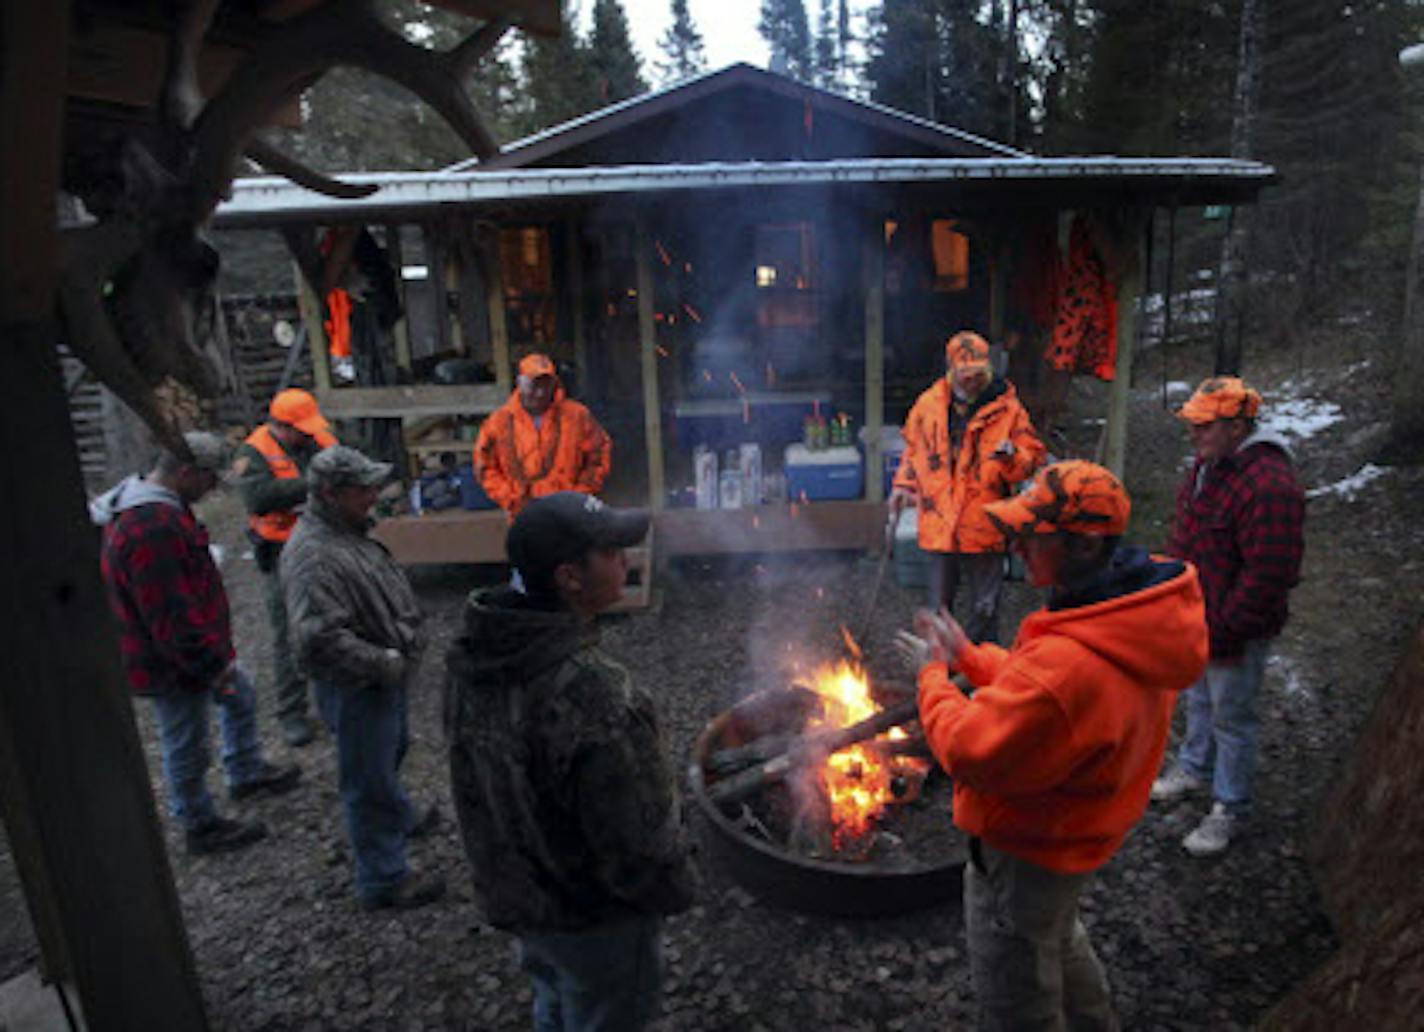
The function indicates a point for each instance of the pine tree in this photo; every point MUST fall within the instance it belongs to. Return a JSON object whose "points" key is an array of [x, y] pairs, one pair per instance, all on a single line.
{"points": [[824, 48], [783, 25], [843, 42], [616, 68], [681, 46], [557, 78]]}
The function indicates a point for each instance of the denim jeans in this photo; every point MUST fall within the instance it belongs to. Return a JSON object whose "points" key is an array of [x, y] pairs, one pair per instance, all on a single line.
{"points": [[602, 979], [1032, 963], [1222, 727], [371, 738], [982, 575], [183, 743]]}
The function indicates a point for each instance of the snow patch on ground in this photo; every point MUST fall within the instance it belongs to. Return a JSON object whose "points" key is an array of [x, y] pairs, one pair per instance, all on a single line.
{"points": [[1292, 685], [1351, 485], [1299, 418]]}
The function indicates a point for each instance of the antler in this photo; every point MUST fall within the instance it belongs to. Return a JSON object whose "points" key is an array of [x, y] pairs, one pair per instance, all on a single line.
{"points": [[299, 51], [275, 161]]}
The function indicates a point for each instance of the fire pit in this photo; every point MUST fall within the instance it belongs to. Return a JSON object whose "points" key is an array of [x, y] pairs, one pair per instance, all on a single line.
{"points": [[816, 799]]}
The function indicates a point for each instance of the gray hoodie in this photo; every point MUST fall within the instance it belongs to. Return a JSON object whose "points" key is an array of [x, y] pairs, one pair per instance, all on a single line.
{"points": [[130, 493]]}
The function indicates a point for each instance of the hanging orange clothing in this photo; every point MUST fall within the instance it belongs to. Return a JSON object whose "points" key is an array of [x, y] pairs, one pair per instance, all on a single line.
{"points": [[338, 327], [277, 526], [1054, 756], [999, 448], [517, 461], [1085, 328]]}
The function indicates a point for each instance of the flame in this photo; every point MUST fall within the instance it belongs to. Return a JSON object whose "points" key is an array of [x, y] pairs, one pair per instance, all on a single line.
{"points": [[855, 779], [851, 645]]}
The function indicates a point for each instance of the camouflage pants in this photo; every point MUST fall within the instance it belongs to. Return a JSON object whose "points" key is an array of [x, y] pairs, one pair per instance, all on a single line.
{"points": [[289, 686], [1032, 963]]}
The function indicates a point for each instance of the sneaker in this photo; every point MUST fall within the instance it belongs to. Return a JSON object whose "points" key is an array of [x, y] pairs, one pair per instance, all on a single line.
{"points": [[427, 822], [415, 890], [222, 835], [1176, 782], [1213, 834], [297, 730], [269, 780]]}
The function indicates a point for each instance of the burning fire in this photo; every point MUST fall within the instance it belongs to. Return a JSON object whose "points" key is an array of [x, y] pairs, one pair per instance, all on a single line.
{"points": [[857, 780]]}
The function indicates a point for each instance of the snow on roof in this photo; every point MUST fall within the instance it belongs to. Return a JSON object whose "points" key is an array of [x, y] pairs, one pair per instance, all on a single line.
{"points": [[269, 198]]}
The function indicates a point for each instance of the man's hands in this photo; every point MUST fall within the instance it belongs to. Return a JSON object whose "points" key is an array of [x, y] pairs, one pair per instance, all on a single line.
{"points": [[914, 651], [938, 638]]}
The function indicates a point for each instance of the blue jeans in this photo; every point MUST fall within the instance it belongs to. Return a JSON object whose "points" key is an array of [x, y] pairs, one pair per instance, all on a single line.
{"points": [[183, 743], [602, 979], [371, 738], [1222, 727]]}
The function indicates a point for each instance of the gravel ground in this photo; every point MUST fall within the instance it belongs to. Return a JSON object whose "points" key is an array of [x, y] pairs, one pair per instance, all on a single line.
{"points": [[1188, 944]]}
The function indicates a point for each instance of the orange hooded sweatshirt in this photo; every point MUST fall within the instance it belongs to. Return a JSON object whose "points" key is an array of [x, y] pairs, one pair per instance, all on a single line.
{"points": [[1053, 757], [517, 461], [1000, 448]]}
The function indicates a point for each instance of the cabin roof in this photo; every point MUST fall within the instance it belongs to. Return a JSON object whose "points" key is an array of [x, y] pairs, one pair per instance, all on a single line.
{"points": [[1064, 182]]}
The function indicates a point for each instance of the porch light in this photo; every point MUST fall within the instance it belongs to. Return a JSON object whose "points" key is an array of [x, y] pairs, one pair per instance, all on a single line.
{"points": [[766, 275]]}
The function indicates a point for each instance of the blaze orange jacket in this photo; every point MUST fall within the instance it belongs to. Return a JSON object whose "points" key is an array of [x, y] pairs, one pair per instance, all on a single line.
{"points": [[1053, 757], [517, 461], [952, 490]]}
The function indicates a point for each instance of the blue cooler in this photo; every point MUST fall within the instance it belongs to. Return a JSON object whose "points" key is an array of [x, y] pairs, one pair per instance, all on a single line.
{"points": [[825, 475], [472, 495]]}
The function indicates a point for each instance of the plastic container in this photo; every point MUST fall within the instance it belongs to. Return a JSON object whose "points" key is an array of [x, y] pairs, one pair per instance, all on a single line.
{"points": [[705, 482], [472, 495], [750, 465], [912, 564], [730, 494], [825, 475]]}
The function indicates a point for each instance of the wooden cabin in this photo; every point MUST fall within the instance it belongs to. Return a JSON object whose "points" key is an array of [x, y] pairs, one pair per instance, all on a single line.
{"points": [[714, 263]]}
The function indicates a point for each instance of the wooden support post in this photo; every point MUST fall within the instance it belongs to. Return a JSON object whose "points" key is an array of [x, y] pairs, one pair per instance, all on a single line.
{"points": [[1115, 432], [311, 308], [573, 253], [872, 267], [452, 262], [998, 302], [401, 330], [74, 789], [435, 282], [498, 317], [648, 341]]}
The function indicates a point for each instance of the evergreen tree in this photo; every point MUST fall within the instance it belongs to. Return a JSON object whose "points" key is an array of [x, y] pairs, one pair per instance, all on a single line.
{"points": [[824, 63], [934, 58], [617, 71], [783, 25], [557, 79], [681, 46], [843, 42]]}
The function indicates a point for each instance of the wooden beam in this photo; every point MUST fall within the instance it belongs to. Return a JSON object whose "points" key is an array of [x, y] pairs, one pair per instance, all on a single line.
{"points": [[401, 330], [451, 261], [872, 267], [648, 342], [74, 788], [1115, 432], [312, 308], [409, 400], [498, 317], [573, 252]]}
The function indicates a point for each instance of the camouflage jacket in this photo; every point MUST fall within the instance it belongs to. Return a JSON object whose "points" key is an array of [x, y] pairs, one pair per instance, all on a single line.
{"points": [[347, 602], [566, 800]]}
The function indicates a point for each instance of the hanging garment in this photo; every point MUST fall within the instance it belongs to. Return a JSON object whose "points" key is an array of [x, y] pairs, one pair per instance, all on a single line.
{"points": [[1085, 329]]}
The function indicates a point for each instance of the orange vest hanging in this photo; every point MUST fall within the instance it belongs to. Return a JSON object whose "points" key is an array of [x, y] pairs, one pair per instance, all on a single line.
{"points": [[277, 526], [338, 327]]}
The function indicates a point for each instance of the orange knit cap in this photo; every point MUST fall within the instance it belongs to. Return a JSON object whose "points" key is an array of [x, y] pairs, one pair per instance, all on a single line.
{"points": [[967, 350], [1221, 397], [535, 365], [1076, 496]]}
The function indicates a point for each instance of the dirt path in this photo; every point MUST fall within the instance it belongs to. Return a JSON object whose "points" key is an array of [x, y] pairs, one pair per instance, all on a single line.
{"points": [[1188, 944]]}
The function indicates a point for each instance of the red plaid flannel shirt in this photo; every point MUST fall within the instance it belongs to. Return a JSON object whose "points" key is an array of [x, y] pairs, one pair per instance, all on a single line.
{"points": [[167, 594], [1242, 528]]}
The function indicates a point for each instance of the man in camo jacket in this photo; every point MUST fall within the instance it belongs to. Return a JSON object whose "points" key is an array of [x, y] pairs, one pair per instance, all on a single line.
{"points": [[567, 802]]}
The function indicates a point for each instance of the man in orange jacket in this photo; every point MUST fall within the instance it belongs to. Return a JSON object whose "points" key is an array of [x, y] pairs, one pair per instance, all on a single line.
{"points": [[1053, 756], [968, 442], [271, 478], [540, 442]]}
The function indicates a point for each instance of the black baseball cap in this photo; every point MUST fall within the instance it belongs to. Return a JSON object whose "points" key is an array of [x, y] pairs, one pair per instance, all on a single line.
{"points": [[563, 528]]}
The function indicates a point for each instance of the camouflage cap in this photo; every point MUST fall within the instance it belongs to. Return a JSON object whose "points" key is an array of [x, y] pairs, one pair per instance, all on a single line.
{"points": [[1075, 496], [340, 466], [209, 451], [1221, 397], [536, 365], [967, 350]]}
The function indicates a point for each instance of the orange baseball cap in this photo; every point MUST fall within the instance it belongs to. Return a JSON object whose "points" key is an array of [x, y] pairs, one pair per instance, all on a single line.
{"points": [[1076, 496], [298, 408], [967, 350], [1221, 397], [536, 365]]}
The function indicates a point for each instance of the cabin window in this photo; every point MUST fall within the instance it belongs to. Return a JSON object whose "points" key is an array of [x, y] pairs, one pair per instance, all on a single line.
{"points": [[788, 302], [527, 267], [950, 251]]}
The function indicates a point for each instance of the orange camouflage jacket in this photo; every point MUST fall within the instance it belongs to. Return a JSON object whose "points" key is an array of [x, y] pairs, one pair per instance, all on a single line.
{"points": [[517, 461]]}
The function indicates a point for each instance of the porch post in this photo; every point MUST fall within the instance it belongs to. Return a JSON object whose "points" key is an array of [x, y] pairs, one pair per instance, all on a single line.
{"points": [[1115, 433], [311, 308], [872, 267], [498, 317], [647, 338], [401, 330], [573, 254]]}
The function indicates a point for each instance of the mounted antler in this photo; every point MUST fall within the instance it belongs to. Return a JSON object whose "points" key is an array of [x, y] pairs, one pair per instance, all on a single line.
{"points": [[136, 285]]}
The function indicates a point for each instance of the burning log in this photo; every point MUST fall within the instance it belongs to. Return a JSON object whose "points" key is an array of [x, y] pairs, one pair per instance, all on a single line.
{"points": [[806, 750]]}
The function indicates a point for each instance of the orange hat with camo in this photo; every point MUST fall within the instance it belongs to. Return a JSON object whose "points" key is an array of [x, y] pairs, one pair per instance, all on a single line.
{"points": [[967, 351], [1221, 397], [1075, 496]]}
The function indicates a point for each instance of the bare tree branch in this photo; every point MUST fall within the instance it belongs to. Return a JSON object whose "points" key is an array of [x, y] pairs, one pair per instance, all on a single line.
{"points": [[280, 164]]}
